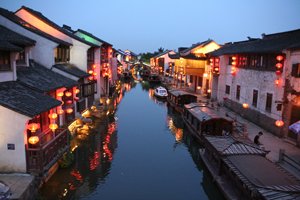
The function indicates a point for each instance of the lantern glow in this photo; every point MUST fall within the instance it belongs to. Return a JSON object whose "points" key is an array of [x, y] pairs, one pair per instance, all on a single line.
{"points": [[279, 123], [53, 126], [60, 112], [68, 94], [279, 57], [245, 105], [33, 127], [60, 94], [205, 75], [52, 115], [33, 140], [69, 110]]}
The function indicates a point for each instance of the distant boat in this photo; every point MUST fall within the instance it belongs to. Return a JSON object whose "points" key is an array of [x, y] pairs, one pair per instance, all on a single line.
{"points": [[161, 92]]}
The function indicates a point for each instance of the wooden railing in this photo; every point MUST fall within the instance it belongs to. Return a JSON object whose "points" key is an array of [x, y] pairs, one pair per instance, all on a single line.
{"points": [[41, 158]]}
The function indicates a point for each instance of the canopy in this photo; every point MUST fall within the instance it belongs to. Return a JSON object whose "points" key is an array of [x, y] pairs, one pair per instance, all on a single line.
{"points": [[295, 127]]}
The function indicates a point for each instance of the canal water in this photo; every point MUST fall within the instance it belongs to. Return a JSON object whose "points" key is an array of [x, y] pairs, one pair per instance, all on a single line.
{"points": [[140, 152]]}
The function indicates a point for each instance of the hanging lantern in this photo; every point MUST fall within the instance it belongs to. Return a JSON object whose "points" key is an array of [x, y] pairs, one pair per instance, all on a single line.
{"points": [[77, 91], [69, 110], [69, 102], [277, 81], [91, 78], [279, 57], [198, 87], [60, 112], [52, 115], [33, 127], [68, 94], [209, 91], [53, 126], [91, 72], [233, 70], [205, 75], [95, 73], [189, 84], [60, 94], [279, 123], [94, 66], [245, 105], [33, 140]]}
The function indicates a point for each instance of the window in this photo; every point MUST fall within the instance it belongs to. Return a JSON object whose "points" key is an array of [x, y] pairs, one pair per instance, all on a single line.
{"points": [[191, 79], [296, 70], [227, 89], [62, 54], [238, 92], [90, 55], [5, 61], [269, 102], [254, 98], [200, 80]]}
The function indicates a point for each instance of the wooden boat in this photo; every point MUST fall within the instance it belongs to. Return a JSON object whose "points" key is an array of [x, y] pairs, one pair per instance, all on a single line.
{"points": [[161, 92], [177, 98], [242, 171], [201, 120]]}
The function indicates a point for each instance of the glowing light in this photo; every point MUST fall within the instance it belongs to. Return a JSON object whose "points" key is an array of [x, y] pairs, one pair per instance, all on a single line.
{"points": [[279, 123], [91, 71], [233, 70], [198, 87], [107, 101], [53, 126], [94, 66], [279, 65], [33, 140], [60, 112], [277, 81], [205, 75], [69, 110], [77, 91], [60, 94], [95, 73], [68, 94], [245, 105], [233, 58], [209, 91], [279, 57], [52, 115], [33, 127]]}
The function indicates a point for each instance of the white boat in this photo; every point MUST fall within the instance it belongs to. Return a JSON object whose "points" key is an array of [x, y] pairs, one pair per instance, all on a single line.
{"points": [[160, 92]]}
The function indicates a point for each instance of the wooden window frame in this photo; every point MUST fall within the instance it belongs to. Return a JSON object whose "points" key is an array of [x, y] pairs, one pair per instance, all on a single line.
{"points": [[269, 99], [5, 64]]}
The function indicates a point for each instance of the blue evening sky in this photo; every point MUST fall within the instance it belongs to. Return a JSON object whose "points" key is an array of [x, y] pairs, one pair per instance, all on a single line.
{"points": [[144, 26]]}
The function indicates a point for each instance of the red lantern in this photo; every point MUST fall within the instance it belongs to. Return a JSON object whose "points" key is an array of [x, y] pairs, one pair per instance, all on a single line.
{"points": [[33, 127], [277, 81], [60, 112], [53, 126], [94, 66], [69, 110], [52, 115], [279, 57], [245, 105], [60, 94], [77, 91], [33, 140], [91, 71], [68, 94], [279, 123]]}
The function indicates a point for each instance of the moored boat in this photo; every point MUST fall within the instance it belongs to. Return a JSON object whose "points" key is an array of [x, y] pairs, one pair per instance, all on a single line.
{"points": [[201, 119], [161, 92], [242, 171], [178, 98]]}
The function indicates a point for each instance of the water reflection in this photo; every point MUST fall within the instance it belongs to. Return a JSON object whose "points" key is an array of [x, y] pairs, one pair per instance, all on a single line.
{"points": [[138, 161]]}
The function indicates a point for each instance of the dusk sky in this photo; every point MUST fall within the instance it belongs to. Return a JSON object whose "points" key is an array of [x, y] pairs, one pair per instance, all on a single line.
{"points": [[144, 26]]}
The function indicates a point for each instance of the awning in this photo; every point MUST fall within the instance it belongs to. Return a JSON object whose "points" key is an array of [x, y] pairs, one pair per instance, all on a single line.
{"points": [[295, 127]]}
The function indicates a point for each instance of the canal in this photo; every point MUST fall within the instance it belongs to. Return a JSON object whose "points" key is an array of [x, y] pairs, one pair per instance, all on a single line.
{"points": [[140, 152]]}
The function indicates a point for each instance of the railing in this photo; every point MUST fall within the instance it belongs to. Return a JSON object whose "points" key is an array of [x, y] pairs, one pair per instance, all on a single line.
{"points": [[40, 159]]}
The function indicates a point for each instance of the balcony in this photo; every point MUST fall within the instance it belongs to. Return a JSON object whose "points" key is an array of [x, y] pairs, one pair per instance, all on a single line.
{"points": [[41, 158]]}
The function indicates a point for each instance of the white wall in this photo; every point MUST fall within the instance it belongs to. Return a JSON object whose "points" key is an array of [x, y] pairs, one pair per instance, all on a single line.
{"points": [[78, 54], [98, 67], [43, 51], [12, 128], [294, 58], [263, 81], [12, 74]]}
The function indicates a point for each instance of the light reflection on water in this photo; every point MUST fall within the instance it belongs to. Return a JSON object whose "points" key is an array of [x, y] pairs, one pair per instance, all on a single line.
{"points": [[142, 151]]}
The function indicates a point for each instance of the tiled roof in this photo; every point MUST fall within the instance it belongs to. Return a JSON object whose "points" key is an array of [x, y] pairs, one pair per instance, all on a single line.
{"points": [[273, 43], [71, 69], [42, 79], [26, 101], [17, 20], [54, 25], [162, 53], [227, 145], [10, 40], [199, 44], [91, 35], [174, 56]]}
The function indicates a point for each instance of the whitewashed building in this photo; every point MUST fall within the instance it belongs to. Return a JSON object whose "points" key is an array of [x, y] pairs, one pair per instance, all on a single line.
{"points": [[258, 79]]}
